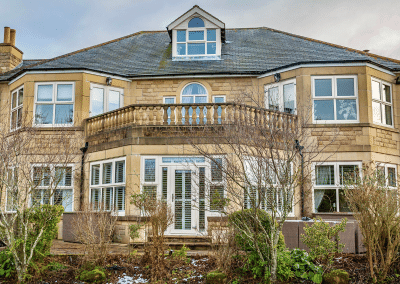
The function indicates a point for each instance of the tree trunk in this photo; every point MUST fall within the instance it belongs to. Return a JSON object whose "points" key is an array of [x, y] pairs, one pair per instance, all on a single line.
{"points": [[274, 256]]}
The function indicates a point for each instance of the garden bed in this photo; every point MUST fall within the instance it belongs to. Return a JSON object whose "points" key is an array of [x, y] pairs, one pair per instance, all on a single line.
{"points": [[133, 269]]}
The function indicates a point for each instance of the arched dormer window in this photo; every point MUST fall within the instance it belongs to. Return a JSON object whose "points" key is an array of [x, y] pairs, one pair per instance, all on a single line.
{"points": [[194, 93], [196, 23]]}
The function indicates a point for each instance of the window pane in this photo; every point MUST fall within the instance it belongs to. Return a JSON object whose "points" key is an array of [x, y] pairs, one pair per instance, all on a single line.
{"points": [[113, 100], [219, 100], [343, 205], [63, 176], [323, 110], [95, 174], [288, 98], [323, 87], [196, 23], [376, 92], [120, 171], [120, 199], [216, 170], [211, 35], [187, 100], [97, 101], [95, 198], [150, 191], [64, 114], [19, 117], [150, 170], [376, 112], [169, 100], [45, 93], [181, 49], [20, 96], [65, 198], [388, 114], [14, 100], [196, 48], [107, 173], [325, 200], [107, 198], [200, 99], [348, 173], [211, 48], [391, 176], [181, 36], [273, 98], [324, 175], [346, 110], [216, 197], [196, 35], [44, 114], [13, 119], [64, 92], [345, 87], [194, 89], [386, 93]]}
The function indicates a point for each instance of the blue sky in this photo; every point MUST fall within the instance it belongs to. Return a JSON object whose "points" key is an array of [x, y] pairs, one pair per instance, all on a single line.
{"points": [[46, 29]]}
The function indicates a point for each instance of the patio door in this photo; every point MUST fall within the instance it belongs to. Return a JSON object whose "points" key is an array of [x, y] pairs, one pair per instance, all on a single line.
{"points": [[183, 192]]}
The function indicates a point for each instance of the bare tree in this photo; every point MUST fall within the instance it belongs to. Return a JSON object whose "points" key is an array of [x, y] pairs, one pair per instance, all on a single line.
{"points": [[35, 165], [266, 162], [374, 199]]}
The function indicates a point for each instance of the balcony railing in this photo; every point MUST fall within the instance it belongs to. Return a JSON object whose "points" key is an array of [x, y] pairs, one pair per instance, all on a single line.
{"points": [[188, 115]]}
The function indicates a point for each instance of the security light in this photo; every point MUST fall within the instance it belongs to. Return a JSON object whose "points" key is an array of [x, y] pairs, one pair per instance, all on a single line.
{"points": [[108, 81], [277, 77]]}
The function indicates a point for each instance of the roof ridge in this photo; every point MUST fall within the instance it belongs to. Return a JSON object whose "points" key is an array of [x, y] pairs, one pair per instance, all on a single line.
{"points": [[335, 45], [85, 49]]}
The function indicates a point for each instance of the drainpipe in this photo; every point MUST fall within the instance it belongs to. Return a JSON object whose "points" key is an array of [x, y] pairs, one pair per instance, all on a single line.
{"points": [[300, 148], [83, 149]]}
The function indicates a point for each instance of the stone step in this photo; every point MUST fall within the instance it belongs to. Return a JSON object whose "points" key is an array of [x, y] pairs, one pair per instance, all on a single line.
{"points": [[178, 245], [186, 239]]}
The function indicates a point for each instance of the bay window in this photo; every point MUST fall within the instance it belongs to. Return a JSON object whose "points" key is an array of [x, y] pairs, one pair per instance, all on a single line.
{"points": [[382, 105], [104, 99], [281, 96], [107, 185], [329, 178], [335, 99], [54, 104]]}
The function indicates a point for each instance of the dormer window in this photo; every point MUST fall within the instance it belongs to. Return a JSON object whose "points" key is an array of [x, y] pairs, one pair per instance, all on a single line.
{"points": [[196, 35]]}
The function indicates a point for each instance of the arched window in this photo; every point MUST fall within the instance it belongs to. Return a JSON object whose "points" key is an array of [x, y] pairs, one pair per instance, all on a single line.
{"points": [[194, 93], [196, 23]]}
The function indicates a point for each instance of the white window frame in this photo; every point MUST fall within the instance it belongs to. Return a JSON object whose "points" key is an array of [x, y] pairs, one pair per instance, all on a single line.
{"points": [[335, 97], [194, 96], [17, 108], [54, 102], [280, 91], [382, 102], [218, 96], [13, 168], [52, 168], [107, 89], [113, 184], [337, 186], [386, 166], [187, 41], [291, 213]]}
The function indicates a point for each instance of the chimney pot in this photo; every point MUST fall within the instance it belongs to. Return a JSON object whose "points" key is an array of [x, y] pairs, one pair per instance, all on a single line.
{"points": [[12, 37], [6, 34]]}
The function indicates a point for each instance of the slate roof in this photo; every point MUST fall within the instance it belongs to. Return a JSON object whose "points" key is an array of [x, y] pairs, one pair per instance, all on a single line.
{"points": [[246, 51]]}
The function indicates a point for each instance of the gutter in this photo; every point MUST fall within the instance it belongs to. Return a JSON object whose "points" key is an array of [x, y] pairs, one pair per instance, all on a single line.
{"points": [[81, 189]]}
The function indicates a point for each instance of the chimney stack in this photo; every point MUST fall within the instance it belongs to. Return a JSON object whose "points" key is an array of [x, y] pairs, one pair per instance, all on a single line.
{"points": [[10, 55], [6, 34], [12, 37]]}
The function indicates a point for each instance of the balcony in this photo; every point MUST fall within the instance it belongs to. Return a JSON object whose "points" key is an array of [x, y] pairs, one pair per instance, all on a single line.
{"points": [[155, 120]]}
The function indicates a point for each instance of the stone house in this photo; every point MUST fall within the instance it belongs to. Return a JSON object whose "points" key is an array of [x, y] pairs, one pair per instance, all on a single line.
{"points": [[125, 96]]}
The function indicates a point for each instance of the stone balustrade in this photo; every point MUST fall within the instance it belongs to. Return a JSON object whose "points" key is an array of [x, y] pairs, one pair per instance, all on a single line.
{"points": [[204, 114]]}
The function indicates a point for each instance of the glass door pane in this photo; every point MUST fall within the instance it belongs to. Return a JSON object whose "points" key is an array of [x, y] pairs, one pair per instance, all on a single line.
{"points": [[183, 200]]}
